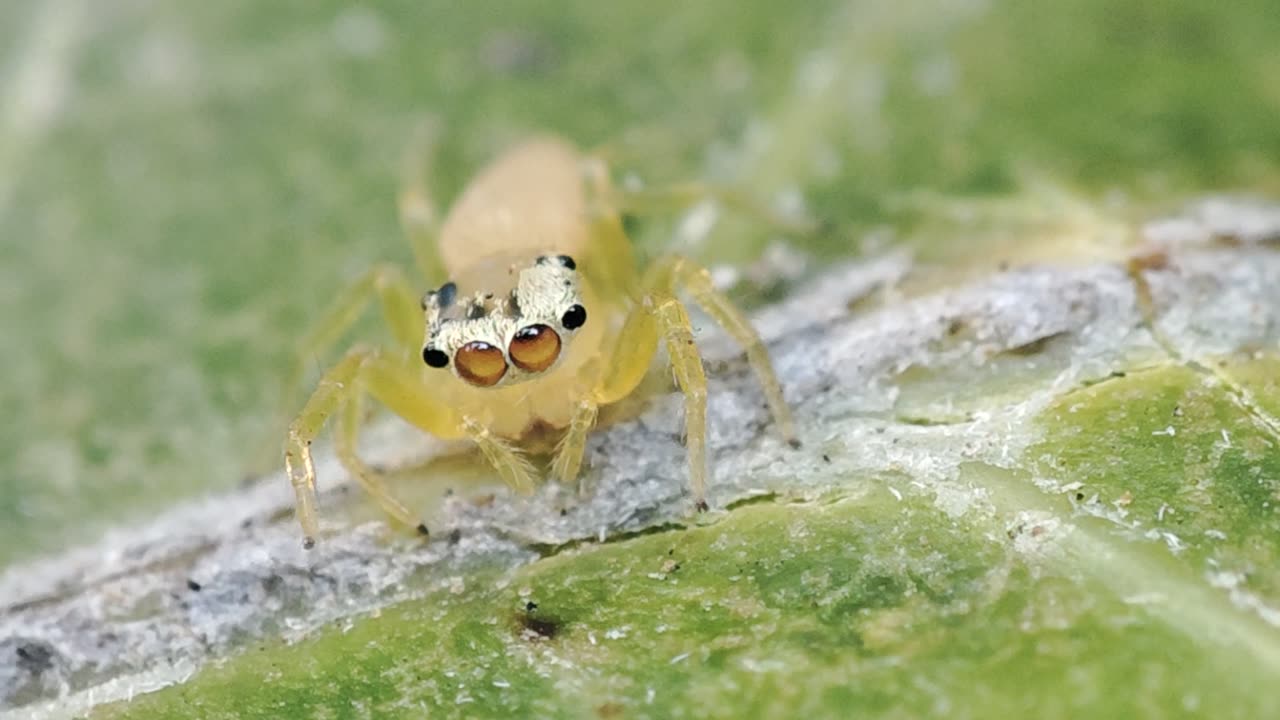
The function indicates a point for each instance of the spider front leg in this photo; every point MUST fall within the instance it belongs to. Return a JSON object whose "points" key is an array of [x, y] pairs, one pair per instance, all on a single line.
{"points": [[399, 302], [391, 382], [686, 364], [679, 273], [658, 317], [400, 310], [346, 442], [334, 389], [399, 386], [511, 464], [567, 465]]}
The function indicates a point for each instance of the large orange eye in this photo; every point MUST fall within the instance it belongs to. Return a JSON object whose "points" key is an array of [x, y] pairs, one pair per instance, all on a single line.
{"points": [[535, 348], [480, 363]]}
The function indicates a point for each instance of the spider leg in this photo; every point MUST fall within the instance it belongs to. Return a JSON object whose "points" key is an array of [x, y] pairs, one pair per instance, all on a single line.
{"points": [[659, 317], [567, 465], [679, 273], [686, 364], [334, 388], [400, 303], [511, 464], [346, 442], [399, 387], [400, 310], [391, 382]]}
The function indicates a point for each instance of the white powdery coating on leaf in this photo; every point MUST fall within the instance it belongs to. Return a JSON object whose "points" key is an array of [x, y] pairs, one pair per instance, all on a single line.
{"points": [[1215, 303]]}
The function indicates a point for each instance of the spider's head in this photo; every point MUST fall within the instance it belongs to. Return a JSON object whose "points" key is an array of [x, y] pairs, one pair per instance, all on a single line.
{"points": [[492, 338]]}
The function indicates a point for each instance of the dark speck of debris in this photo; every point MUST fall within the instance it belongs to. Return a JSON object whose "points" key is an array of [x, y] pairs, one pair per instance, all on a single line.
{"points": [[422, 529], [193, 586], [455, 536], [826, 458], [1079, 497], [530, 606], [1118, 374], [35, 657], [539, 626], [794, 443]]}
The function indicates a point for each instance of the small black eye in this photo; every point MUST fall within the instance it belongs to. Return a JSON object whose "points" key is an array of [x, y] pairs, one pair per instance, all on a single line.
{"points": [[574, 317], [446, 294], [435, 358], [564, 260]]}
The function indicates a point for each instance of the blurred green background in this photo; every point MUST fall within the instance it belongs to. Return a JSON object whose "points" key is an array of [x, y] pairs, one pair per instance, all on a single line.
{"points": [[182, 184]]}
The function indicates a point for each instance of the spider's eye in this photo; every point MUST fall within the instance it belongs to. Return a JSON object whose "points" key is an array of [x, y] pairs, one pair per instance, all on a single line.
{"points": [[435, 358], [447, 293], [535, 348], [480, 363], [574, 317], [564, 260]]}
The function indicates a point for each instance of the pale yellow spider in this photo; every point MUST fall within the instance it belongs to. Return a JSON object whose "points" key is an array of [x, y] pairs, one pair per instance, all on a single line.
{"points": [[545, 319]]}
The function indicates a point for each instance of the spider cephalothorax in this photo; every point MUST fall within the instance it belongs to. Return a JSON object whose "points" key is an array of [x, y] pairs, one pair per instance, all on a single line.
{"points": [[490, 338]]}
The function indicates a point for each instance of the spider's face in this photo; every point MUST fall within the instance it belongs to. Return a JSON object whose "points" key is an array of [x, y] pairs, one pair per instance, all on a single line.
{"points": [[489, 339]]}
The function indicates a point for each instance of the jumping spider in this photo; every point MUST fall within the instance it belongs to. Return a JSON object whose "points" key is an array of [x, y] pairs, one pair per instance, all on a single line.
{"points": [[545, 319]]}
